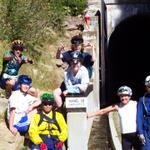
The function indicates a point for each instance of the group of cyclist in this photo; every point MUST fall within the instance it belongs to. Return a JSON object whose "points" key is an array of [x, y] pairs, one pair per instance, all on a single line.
{"points": [[80, 68], [29, 113], [36, 115]]}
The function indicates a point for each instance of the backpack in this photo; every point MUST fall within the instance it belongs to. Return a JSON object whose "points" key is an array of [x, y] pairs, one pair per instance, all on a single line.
{"points": [[49, 120]]}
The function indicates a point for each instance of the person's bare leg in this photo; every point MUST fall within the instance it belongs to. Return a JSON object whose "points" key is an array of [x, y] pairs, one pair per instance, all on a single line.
{"points": [[57, 94], [9, 84]]}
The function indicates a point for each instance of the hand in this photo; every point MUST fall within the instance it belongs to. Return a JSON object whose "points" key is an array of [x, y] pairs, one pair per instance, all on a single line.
{"points": [[142, 139], [61, 47], [43, 146], [59, 144], [65, 92], [30, 61]]}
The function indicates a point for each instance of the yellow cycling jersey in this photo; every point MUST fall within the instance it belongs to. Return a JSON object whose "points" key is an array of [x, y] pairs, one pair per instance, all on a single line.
{"points": [[46, 128]]}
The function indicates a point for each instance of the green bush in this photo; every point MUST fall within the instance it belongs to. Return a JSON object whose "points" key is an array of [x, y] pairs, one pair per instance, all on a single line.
{"points": [[76, 6], [36, 21]]}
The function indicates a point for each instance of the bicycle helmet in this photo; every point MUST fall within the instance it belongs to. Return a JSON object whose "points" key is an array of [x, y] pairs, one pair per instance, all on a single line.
{"points": [[47, 97], [147, 80], [24, 79], [76, 57], [76, 40], [17, 45], [124, 90]]}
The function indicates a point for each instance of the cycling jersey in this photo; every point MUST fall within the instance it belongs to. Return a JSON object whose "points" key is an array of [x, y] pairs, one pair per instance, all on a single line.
{"points": [[11, 67]]}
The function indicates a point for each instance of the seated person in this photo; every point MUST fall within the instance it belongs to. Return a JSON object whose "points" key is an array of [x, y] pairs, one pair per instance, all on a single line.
{"points": [[77, 45], [48, 129], [12, 61], [76, 79], [21, 107]]}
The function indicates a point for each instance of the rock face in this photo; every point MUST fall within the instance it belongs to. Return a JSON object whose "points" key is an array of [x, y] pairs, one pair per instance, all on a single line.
{"points": [[7, 140]]}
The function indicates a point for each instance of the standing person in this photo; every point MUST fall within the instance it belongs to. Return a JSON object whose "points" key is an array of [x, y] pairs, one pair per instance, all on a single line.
{"points": [[77, 45], [143, 117], [48, 129], [12, 61], [127, 110], [76, 79], [21, 107]]}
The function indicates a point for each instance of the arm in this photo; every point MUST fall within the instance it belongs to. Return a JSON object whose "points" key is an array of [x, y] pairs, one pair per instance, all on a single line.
{"points": [[34, 130], [59, 51], [63, 127], [7, 56], [25, 59], [140, 116], [103, 111], [35, 104], [28, 60], [11, 122], [92, 54]]}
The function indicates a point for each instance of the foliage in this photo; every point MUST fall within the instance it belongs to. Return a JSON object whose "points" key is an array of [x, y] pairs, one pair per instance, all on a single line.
{"points": [[76, 6], [34, 21], [38, 23]]}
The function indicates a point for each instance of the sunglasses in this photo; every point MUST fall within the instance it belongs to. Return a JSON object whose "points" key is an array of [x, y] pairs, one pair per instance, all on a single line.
{"points": [[47, 103]]}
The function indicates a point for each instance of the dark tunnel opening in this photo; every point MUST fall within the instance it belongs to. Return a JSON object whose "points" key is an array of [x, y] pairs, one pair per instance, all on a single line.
{"points": [[128, 56]]}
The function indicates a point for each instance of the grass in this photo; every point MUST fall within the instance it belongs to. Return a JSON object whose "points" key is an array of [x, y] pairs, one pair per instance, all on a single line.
{"points": [[45, 74]]}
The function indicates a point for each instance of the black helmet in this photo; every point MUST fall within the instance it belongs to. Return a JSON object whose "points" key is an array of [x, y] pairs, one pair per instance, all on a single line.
{"points": [[76, 40], [24, 79], [17, 45], [76, 57]]}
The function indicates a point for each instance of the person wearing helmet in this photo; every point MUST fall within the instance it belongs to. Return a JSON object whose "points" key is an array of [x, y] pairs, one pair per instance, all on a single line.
{"points": [[48, 129], [21, 107], [127, 110], [77, 45], [76, 79], [25, 78], [143, 116], [12, 61]]}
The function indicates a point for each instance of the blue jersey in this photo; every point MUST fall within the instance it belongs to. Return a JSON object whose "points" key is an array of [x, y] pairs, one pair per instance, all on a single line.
{"points": [[143, 114], [11, 67]]}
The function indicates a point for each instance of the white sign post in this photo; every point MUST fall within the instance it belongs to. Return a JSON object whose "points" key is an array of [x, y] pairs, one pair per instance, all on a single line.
{"points": [[76, 102]]}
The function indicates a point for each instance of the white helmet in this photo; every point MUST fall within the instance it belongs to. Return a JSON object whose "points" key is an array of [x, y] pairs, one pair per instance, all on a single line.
{"points": [[124, 90], [147, 80]]}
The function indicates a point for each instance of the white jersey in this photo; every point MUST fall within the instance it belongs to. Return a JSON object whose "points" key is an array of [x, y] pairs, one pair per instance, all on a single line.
{"points": [[127, 114], [81, 78], [21, 103]]}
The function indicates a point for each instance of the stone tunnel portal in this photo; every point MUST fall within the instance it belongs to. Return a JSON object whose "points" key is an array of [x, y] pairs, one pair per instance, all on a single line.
{"points": [[128, 56]]}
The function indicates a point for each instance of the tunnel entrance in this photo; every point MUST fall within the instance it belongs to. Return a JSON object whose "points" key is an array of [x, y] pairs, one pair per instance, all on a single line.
{"points": [[128, 56]]}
